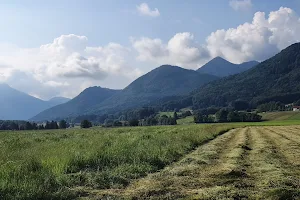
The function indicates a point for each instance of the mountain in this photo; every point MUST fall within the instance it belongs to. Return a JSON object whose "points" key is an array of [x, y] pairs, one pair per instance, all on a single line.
{"points": [[164, 81], [58, 100], [79, 105], [16, 105], [221, 67], [276, 79]]}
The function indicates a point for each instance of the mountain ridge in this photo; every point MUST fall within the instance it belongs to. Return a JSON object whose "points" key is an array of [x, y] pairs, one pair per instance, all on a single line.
{"points": [[275, 79], [164, 81], [220, 67], [17, 105], [80, 104]]}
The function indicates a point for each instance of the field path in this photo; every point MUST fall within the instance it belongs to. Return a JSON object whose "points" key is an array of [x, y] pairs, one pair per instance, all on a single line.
{"points": [[244, 163]]}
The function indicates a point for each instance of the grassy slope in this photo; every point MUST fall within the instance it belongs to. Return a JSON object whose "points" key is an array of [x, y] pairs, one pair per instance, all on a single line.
{"points": [[280, 116], [186, 120]]}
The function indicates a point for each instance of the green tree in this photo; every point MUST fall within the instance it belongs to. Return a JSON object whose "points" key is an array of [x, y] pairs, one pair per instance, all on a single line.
{"points": [[221, 115], [117, 123], [85, 124], [240, 105], [41, 127], [62, 124], [53, 125], [28, 126], [175, 116], [48, 125], [133, 122], [233, 117], [14, 126]]}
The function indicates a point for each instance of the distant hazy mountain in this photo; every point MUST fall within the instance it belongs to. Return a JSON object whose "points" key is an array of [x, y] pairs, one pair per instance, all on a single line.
{"points": [[16, 105], [221, 67], [58, 100], [79, 105], [164, 81]]}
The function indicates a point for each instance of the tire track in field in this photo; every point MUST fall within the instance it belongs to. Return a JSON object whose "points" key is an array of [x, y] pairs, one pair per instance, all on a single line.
{"points": [[275, 178]]}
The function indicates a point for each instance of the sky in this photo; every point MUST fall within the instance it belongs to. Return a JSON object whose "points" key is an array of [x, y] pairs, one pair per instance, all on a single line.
{"points": [[59, 47]]}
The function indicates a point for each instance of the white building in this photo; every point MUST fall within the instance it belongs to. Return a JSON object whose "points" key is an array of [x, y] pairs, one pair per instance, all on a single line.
{"points": [[296, 108]]}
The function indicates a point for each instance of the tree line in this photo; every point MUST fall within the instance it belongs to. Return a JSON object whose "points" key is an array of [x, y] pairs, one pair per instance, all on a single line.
{"points": [[26, 125], [225, 115]]}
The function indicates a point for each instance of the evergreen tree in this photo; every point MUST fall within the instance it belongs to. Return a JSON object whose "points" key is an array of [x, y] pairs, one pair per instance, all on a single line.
{"points": [[175, 116], [62, 124], [85, 124], [47, 126], [28, 126], [221, 115]]}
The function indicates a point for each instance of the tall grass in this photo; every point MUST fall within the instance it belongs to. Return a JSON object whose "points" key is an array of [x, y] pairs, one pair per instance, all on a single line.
{"points": [[45, 164]]}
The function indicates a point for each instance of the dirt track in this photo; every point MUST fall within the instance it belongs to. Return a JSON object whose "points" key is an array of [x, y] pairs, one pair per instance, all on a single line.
{"points": [[245, 163]]}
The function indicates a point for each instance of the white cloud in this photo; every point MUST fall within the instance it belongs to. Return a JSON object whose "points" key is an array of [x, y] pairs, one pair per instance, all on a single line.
{"points": [[68, 65], [144, 9], [64, 66], [257, 40], [241, 4], [180, 50]]}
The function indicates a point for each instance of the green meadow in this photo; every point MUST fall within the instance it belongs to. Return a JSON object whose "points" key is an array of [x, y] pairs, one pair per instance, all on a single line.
{"points": [[65, 164], [51, 164]]}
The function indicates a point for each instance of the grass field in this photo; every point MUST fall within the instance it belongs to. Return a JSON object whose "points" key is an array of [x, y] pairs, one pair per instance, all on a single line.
{"points": [[61, 164], [280, 116], [186, 120], [244, 163], [119, 163]]}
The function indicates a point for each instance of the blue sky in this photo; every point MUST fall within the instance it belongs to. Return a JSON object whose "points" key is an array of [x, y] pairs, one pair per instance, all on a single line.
{"points": [[116, 20], [66, 46]]}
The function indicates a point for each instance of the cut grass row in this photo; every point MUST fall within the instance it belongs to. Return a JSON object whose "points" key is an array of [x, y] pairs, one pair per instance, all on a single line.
{"points": [[245, 163]]}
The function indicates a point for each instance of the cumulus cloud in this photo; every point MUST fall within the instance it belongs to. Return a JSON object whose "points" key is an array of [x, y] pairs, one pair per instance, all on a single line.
{"points": [[63, 66], [68, 65], [144, 9], [240, 4], [258, 40], [181, 49]]}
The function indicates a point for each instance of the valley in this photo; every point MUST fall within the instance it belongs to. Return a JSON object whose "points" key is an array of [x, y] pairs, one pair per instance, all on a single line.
{"points": [[154, 100]]}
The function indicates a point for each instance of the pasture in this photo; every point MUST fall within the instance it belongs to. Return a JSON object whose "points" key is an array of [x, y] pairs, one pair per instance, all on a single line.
{"points": [[183, 161]]}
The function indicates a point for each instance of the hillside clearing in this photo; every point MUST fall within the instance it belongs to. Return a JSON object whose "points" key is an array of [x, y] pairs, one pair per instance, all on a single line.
{"points": [[282, 115]]}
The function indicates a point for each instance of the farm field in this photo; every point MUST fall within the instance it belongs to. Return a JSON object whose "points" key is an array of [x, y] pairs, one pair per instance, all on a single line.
{"points": [[171, 162], [281, 115], [62, 164], [244, 163]]}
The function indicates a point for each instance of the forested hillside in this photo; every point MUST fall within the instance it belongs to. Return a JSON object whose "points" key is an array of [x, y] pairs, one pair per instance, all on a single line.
{"points": [[276, 79]]}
